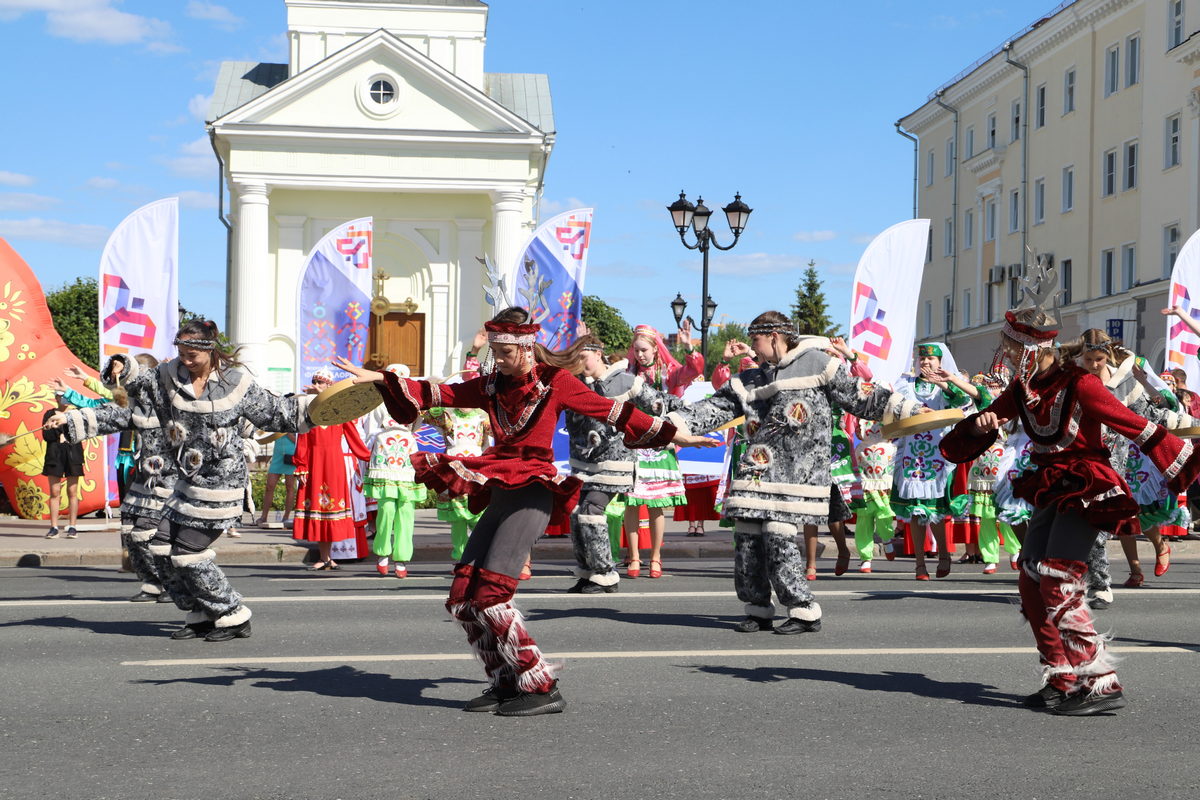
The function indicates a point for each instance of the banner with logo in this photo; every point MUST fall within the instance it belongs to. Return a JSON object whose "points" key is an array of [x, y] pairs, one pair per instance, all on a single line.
{"points": [[1182, 344], [334, 314], [549, 276], [883, 303]]}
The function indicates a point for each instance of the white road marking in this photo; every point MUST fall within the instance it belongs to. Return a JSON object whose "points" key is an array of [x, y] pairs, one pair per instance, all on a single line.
{"points": [[541, 596], [793, 653]]}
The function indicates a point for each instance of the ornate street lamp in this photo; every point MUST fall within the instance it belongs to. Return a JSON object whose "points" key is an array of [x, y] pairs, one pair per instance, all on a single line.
{"points": [[685, 215]]}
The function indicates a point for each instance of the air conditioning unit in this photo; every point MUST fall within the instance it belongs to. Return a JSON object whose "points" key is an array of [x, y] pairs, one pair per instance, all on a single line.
{"points": [[996, 274]]}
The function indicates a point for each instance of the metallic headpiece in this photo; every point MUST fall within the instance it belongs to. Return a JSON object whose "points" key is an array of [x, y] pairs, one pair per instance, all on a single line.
{"points": [[511, 333], [597, 346], [1033, 323], [767, 328], [196, 344]]}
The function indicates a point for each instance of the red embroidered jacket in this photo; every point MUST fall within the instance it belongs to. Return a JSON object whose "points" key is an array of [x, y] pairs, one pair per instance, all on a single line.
{"points": [[1073, 471], [524, 413]]}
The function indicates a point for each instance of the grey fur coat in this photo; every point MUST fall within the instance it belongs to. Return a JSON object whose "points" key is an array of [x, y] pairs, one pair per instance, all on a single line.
{"points": [[784, 474]]}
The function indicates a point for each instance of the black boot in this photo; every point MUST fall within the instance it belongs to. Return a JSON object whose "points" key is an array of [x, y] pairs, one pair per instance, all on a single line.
{"points": [[144, 597], [590, 587], [241, 631], [1046, 697], [1085, 705], [491, 699], [528, 704], [752, 624], [793, 625], [193, 630]]}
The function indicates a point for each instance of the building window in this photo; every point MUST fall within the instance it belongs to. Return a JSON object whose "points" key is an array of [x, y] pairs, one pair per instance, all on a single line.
{"points": [[1068, 189], [1131, 165], [928, 317], [966, 308], [989, 220], [1171, 147], [949, 157], [1064, 269], [970, 142], [1039, 109], [1133, 60], [947, 314], [1108, 173], [1128, 266], [968, 229], [929, 245], [948, 238], [1016, 121], [991, 131], [382, 92], [1014, 292], [1112, 70], [1106, 273], [1069, 91], [1014, 211], [1174, 23], [1170, 248], [1039, 201], [929, 169]]}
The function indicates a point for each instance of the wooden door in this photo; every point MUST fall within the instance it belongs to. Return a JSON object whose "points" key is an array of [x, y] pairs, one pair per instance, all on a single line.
{"points": [[399, 339]]}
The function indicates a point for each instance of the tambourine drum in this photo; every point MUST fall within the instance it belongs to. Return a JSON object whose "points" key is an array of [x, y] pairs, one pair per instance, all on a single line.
{"points": [[343, 402], [270, 437], [1187, 433], [920, 423], [731, 424]]}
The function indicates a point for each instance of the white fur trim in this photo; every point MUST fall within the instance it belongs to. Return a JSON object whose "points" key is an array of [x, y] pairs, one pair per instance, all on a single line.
{"points": [[762, 612], [579, 465], [194, 617], [142, 534], [592, 519], [605, 578], [768, 487], [189, 490], [189, 559], [126, 529], [806, 343], [1051, 572], [773, 528], [792, 384], [144, 423], [808, 613], [611, 480], [226, 403], [90, 423], [236, 617], [160, 549], [1104, 594], [202, 512], [813, 508], [75, 423], [150, 588], [680, 426]]}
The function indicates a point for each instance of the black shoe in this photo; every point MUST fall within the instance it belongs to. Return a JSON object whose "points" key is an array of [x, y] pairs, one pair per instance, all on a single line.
{"points": [[72, 533], [793, 625], [491, 699], [578, 587], [1084, 705], [752, 624], [1046, 697], [193, 630], [1098, 603], [52, 533], [591, 587], [144, 597], [528, 704], [165, 598], [232, 632]]}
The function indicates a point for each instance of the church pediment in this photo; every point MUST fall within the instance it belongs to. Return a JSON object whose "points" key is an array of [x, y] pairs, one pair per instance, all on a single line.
{"points": [[379, 83]]}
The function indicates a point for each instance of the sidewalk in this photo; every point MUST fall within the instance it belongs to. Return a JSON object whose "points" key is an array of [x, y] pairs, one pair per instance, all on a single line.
{"points": [[23, 544]]}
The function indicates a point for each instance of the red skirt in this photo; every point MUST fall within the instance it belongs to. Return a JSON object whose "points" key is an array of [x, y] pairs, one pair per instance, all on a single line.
{"points": [[1094, 491], [701, 502], [474, 477]]}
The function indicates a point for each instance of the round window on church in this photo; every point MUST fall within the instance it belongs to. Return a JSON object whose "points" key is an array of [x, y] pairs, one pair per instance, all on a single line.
{"points": [[382, 92]]}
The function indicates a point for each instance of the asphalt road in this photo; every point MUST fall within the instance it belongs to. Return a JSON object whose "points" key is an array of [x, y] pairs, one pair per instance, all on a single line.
{"points": [[351, 685]]}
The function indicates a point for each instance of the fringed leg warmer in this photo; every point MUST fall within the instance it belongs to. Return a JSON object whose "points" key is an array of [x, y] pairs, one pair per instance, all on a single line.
{"points": [[479, 636], [491, 597], [1056, 667], [1062, 588]]}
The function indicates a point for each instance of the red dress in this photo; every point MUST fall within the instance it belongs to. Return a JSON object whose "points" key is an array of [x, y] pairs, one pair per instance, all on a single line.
{"points": [[523, 412], [1073, 471], [323, 509]]}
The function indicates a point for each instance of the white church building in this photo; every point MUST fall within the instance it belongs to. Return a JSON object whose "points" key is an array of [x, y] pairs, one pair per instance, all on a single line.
{"points": [[383, 110]]}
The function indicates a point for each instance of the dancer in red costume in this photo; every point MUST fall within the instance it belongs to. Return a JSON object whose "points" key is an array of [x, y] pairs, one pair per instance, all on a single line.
{"points": [[517, 486], [1074, 492]]}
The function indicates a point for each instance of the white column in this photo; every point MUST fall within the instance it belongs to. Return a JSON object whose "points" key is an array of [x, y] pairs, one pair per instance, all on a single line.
{"points": [[248, 320], [470, 278], [508, 233], [289, 260]]}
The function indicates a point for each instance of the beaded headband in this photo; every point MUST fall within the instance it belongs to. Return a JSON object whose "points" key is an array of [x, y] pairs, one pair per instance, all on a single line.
{"points": [[511, 333], [598, 347], [196, 344], [765, 328]]}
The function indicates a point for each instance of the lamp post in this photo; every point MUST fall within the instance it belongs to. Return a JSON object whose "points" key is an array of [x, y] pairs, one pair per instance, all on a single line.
{"points": [[684, 215]]}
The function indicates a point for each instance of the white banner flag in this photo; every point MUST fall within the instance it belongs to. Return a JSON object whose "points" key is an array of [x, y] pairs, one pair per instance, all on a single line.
{"points": [[1182, 343], [883, 305], [139, 283], [334, 313]]}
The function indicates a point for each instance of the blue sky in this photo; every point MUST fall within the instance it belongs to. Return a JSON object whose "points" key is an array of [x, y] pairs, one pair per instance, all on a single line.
{"points": [[791, 103]]}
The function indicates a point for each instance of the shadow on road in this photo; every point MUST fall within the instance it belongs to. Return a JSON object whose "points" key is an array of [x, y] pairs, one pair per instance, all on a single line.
{"points": [[883, 594], [913, 683], [633, 618], [120, 628], [343, 681]]}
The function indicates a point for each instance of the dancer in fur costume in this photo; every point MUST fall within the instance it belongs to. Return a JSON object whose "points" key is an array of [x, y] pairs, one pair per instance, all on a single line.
{"points": [[515, 480], [783, 479], [1074, 491]]}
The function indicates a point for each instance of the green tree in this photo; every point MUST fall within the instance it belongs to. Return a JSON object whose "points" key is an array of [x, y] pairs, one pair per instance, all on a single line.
{"points": [[607, 323], [809, 310], [74, 309]]}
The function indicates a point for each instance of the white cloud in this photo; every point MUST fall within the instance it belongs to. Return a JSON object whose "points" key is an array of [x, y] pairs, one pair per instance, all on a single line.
{"points": [[196, 160], [549, 208], [102, 183], [21, 201], [94, 21], [13, 178], [198, 106], [52, 230], [211, 12], [814, 236], [193, 199]]}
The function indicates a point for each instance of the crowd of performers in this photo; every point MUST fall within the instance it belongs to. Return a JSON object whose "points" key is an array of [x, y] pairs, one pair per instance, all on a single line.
{"points": [[1059, 450]]}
